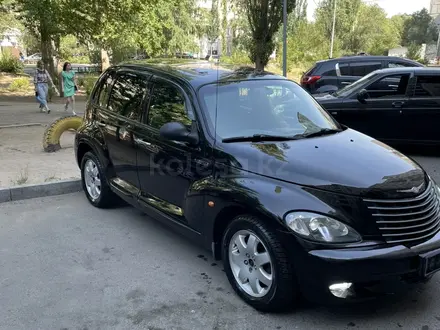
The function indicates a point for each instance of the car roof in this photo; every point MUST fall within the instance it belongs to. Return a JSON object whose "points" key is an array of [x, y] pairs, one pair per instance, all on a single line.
{"points": [[366, 58], [409, 69], [199, 73]]}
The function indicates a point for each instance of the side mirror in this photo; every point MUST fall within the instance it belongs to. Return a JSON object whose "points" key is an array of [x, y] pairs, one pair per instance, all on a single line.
{"points": [[176, 131], [362, 96]]}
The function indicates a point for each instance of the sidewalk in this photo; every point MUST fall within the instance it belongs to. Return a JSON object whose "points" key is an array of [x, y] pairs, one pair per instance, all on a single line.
{"points": [[23, 160]]}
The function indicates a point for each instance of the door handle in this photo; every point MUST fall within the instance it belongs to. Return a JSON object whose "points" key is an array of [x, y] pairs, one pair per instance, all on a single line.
{"points": [[346, 83], [398, 104], [334, 112], [101, 124]]}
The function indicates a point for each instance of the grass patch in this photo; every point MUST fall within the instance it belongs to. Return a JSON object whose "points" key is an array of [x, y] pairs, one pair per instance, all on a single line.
{"points": [[23, 177], [19, 84]]}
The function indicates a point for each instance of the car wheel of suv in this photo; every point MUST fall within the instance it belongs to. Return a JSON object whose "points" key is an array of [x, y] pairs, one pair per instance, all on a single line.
{"points": [[95, 183], [257, 265]]}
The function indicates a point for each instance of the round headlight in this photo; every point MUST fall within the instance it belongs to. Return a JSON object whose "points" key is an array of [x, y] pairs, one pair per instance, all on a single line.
{"points": [[321, 228]]}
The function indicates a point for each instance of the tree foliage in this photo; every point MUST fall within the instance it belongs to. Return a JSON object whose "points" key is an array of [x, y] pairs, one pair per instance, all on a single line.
{"points": [[419, 29], [265, 18]]}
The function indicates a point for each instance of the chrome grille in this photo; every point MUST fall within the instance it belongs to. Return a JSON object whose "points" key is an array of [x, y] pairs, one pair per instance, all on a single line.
{"points": [[407, 220]]}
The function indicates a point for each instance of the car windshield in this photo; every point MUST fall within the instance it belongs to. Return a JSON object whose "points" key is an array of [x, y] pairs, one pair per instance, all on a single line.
{"points": [[278, 108], [343, 92]]}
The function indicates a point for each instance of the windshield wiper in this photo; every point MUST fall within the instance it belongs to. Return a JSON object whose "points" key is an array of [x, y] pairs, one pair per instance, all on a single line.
{"points": [[324, 131], [259, 137]]}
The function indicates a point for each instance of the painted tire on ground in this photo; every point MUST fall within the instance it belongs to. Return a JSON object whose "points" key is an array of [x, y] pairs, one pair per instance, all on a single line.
{"points": [[52, 135]]}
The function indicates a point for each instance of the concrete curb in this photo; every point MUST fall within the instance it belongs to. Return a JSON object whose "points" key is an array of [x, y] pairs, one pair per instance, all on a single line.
{"points": [[39, 190]]}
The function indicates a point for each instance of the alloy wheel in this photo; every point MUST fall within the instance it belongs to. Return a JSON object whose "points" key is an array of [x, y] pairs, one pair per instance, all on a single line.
{"points": [[92, 179], [251, 263]]}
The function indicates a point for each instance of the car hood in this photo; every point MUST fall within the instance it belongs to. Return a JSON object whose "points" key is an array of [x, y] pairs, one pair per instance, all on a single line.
{"points": [[348, 162]]}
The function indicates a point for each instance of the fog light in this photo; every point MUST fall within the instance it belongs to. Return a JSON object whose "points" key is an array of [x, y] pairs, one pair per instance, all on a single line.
{"points": [[340, 290]]}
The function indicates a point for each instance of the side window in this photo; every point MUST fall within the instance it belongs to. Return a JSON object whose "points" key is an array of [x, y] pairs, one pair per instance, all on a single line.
{"points": [[363, 68], [389, 86], [344, 68], [397, 65], [427, 86], [167, 104], [329, 69], [127, 95], [102, 94]]}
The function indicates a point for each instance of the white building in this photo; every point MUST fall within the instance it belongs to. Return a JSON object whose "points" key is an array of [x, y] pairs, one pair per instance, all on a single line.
{"points": [[204, 44], [434, 8], [11, 38]]}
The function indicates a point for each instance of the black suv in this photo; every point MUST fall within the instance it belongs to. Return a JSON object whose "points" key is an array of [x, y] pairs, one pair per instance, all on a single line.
{"points": [[396, 106], [251, 167], [331, 75]]}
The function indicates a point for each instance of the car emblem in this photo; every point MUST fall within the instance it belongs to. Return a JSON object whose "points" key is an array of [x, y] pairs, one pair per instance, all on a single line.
{"points": [[413, 189]]}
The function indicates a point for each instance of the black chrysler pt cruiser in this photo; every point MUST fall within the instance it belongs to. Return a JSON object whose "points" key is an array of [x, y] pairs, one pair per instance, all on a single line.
{"points": [[248, 165]]}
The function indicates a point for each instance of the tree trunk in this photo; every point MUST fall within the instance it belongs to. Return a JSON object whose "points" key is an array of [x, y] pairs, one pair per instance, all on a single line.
{"points": [[46, 53], [105, 61], [259, 65]]}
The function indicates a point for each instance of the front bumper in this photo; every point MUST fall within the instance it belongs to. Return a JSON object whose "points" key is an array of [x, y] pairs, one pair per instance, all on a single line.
{"points": [[373, 270]]}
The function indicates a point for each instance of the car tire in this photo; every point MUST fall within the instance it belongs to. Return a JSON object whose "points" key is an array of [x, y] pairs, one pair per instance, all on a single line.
{"points": [[94, 182], [262, 262]]}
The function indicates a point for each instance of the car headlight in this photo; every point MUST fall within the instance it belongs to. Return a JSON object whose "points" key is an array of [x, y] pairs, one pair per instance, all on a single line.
{"points": [[321, 228]]}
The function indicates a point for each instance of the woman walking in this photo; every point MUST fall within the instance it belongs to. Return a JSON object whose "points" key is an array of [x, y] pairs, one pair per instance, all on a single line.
{"points": [[41, 81], [68, 85]]}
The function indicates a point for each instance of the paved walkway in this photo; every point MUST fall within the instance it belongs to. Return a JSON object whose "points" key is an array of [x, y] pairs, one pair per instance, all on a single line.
{"points": [[16, 113], [23, 160]]}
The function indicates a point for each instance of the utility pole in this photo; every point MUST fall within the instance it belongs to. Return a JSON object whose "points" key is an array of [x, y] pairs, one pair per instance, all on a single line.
{"points": [[333, 31], [285, 38]]}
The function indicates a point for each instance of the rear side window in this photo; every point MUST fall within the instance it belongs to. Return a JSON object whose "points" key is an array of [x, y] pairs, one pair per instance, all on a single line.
{"points": [[103, 92], [361, 69], [428, 86], [344, 69], [328, 69], [127, 95]]}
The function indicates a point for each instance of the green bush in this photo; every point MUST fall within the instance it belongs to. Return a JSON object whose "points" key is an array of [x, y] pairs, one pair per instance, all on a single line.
{"points": [[89, 82], [237, 58], [10, 64], [19, 84]]}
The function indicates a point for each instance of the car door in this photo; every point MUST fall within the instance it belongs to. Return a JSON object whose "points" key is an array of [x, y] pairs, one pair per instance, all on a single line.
{"points": [[118, 120], [379, 115], [422, 114], [167, 169]]}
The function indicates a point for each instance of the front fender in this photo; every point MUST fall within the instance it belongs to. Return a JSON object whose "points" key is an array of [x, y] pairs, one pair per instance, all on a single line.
{"points": [[267, 198]]}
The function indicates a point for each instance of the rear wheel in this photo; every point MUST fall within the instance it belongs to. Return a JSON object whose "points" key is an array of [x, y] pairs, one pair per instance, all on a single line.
{"points": [[95, 183], [257, 265]]}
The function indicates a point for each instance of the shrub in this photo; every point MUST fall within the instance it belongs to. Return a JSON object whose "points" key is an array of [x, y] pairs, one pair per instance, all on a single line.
{"points": [[89, 82], [19, 84], [10, 64]]}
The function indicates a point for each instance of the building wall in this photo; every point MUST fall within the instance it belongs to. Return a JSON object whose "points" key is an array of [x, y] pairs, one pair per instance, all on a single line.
{"points": [[434, 9]]}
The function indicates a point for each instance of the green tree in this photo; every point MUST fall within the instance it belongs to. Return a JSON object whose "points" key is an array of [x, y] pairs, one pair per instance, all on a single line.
{"points": [[265, 18], [213, 29], [419, 29]]}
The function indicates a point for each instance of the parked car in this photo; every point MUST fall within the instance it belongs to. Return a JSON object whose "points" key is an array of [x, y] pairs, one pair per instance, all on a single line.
{"points": [[33, 58], [331, 75], [396, 106], [251, 167]]}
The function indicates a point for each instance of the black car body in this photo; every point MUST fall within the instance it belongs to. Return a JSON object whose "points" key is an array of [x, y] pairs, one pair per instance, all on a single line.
{"points": [[398, 106], [316, 209], [333, 74]]}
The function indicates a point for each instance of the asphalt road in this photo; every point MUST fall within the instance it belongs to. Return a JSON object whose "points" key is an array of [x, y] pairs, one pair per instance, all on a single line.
{"points": [[67, 265]]}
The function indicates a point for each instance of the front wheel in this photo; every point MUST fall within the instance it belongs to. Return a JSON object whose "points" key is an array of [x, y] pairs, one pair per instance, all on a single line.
{"points": [[257, 265], [94, 182]]}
